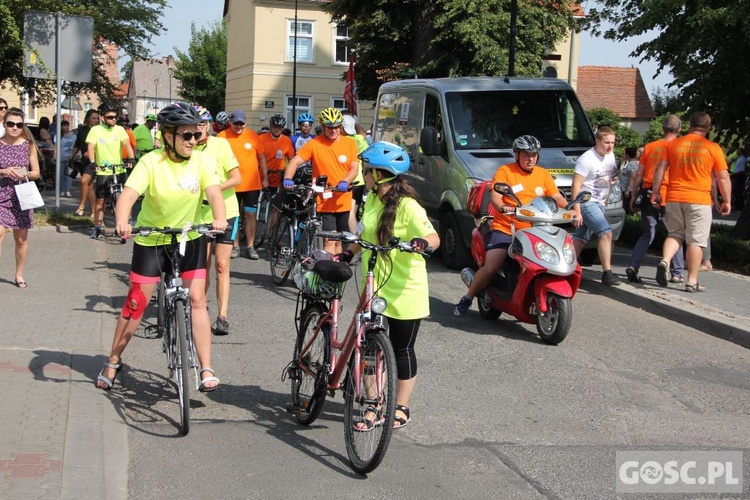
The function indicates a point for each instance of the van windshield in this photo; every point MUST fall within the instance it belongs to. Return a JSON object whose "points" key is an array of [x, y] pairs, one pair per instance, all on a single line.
{"points": [[493, 119]]}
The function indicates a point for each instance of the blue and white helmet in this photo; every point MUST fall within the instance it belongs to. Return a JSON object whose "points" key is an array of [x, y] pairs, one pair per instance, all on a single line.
{"points": [[386, 156]]}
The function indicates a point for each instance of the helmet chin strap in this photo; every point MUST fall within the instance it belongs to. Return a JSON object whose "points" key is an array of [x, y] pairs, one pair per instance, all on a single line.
{"points": [[173, 150]]}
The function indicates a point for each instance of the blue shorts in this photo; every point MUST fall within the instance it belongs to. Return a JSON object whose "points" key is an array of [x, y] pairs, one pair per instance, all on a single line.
{"points": [[498, 239], [594, 222]]}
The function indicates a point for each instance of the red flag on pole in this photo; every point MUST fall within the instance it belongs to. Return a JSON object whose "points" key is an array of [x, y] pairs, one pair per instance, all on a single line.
{"points": [[350, 89]]}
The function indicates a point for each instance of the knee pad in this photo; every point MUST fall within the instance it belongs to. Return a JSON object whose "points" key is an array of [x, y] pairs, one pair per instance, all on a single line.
{"points": [[135, 295]]}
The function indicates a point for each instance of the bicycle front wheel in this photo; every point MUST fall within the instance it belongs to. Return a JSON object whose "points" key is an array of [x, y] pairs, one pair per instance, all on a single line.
{"points": [[182, 365], [281, 252], [310, 364], [370, 403]]}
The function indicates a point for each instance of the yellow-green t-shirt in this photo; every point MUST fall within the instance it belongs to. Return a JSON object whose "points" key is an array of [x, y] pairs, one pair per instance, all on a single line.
{"points": [[107, 146], [406, 290], [173, 192], [361, 146], [221, 151]]}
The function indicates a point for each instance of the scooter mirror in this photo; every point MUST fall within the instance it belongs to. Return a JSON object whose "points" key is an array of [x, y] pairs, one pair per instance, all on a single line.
{"points": [[502, 188], [582, 197]]}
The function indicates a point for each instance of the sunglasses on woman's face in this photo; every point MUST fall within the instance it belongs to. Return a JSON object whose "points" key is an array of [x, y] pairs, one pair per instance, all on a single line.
{"points": [[13, 124], [189, 135], [3, 108]]}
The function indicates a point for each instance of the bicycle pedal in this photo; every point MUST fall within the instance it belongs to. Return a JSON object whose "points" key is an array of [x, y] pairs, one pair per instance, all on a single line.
{"points": [[295, 409]]}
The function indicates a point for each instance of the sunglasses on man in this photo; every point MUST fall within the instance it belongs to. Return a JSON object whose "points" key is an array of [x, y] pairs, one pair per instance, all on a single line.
{"points": [[239, 124]]}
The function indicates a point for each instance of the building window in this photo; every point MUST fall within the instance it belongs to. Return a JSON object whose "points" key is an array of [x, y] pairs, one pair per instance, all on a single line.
{"points": [[341, 44], [87, 106], [305, 32], [303, 106], [338, 103], [550, 72]]}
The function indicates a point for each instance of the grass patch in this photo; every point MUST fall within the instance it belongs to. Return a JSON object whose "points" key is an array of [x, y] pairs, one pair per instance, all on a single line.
{"points": [[51, 217]]}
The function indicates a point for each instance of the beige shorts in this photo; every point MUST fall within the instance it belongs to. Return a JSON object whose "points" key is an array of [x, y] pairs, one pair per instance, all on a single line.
{"points": [[689, 222]]}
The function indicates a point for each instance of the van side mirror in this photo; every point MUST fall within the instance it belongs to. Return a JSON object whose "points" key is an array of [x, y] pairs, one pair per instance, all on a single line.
{"points": [[428, 141]]}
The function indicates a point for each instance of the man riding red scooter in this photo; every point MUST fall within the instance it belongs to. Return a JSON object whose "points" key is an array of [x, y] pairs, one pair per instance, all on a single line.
{"points": [[527, 181]]}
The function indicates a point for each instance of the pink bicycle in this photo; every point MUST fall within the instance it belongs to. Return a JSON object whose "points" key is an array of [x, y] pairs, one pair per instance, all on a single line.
{"points": [[364, 358]]}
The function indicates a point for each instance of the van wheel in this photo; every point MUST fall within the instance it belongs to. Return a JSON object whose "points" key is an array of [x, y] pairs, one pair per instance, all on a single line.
{"points": [[456, 255]]}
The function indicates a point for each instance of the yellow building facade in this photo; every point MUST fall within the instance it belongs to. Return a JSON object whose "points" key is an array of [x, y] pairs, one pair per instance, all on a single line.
{"points": [[260, 60]]}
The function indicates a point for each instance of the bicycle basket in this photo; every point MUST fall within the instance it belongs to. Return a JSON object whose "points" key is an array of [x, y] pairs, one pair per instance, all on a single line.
{"points": [[319, 277]]}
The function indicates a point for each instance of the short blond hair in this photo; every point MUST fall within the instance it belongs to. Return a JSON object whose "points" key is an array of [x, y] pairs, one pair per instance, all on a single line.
{"points": [[604, 130]]}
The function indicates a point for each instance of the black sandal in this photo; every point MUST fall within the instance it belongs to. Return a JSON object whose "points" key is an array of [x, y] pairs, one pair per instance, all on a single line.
{"points": [[108, 383], [368, 424], [400, 420]]}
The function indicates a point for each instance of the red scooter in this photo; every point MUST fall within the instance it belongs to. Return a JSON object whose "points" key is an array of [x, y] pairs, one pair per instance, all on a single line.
{"points": [[541, 274]]}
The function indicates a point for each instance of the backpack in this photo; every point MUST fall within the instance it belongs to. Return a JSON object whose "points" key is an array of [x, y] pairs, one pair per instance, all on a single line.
{"points": [[479, 203]]}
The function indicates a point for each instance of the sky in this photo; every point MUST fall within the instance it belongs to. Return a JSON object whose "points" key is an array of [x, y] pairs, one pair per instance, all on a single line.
{"points": [[593, 51]]}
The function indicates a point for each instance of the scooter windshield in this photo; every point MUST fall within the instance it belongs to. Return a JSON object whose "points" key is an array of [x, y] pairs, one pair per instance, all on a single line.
{"points": [[545, 204]]}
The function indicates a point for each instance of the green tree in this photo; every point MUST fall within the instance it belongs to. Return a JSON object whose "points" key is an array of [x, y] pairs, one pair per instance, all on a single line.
{"points": [[625, 135], [126, 70], [438, 38], [703, 44], [128, 23], [655, 131], [202, 71]]}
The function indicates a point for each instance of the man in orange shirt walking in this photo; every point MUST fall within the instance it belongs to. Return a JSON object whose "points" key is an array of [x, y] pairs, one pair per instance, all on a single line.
{"points": [[651, 214], [249, 152], [336, 157], [692, 162]]}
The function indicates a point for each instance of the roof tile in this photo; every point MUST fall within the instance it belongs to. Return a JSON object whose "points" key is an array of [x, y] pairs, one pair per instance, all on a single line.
{"points": [[618, 89]]}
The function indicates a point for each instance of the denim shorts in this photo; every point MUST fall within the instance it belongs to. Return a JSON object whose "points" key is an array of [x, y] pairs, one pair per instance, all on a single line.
{"points": [[594, 222]]}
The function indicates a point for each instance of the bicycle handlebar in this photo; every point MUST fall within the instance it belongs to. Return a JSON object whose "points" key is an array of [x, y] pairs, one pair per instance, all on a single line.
{"points": [[199, 228], [394, 243]]}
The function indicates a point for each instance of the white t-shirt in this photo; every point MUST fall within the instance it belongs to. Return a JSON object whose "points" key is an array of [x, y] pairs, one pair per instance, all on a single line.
{"points": [[598, 171]]}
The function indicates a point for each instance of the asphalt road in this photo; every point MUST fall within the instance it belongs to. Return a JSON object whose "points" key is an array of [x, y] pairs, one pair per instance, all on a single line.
{"points": [[496, 413]]}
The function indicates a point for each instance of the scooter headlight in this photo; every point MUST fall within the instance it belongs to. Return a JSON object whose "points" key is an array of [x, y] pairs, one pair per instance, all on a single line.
{"points": [[547, 252], [569, 252], [378, 305]]}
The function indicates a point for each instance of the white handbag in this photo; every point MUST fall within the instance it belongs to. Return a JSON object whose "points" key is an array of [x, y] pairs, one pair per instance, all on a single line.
{"points": [[28, 195]]}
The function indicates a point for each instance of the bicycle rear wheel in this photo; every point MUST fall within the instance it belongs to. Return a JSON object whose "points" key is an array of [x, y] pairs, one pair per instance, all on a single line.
{"points": [[281, 252], [182, 365], [370, 403], [261, 221], [309, 372]]}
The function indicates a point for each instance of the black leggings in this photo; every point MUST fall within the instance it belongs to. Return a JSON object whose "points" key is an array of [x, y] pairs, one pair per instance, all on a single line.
{"points": [[403, 334]]}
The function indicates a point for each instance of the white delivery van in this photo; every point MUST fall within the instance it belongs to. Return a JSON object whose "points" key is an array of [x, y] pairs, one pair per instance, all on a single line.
{"points": [[459, 130]]}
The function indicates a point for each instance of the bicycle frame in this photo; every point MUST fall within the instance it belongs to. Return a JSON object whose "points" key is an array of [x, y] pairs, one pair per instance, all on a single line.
{"points": [[351, 345]]}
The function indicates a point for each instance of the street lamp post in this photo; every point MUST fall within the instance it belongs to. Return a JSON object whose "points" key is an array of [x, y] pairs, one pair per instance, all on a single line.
{"points": [[294, 68], [171, 71], [156, 93]]}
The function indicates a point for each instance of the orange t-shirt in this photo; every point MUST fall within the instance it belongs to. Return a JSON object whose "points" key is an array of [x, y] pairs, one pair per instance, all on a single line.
{"points": [[247, 148], [132, 142], [277, 150], [691, 160], [526, 186], [334, 159], [649, 159]]}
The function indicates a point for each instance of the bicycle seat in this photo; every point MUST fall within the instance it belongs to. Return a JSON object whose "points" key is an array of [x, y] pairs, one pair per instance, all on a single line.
{"points": [[335, 272]]}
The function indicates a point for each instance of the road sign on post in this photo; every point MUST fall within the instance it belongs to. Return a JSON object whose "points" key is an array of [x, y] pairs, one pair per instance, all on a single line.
{"points": [[76, 40], [58, 47]]}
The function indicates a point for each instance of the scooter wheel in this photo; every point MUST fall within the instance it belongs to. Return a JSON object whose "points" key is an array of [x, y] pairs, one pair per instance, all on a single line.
{"points": [[554, 325], [487, 312]]}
